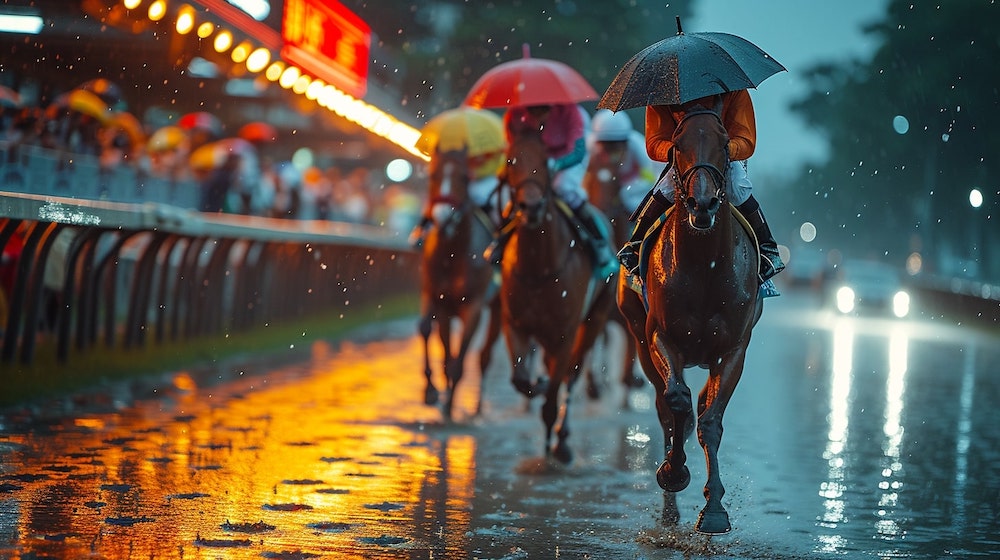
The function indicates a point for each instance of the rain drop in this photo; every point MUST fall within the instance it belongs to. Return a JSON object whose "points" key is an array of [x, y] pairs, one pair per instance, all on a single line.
{"points": [[900, 124]]}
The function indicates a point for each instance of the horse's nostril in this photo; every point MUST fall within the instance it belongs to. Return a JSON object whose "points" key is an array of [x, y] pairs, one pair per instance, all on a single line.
{"points": [[714, 205]]}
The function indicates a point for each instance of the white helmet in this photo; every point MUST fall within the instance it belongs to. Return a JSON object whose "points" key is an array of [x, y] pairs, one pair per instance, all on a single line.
{"points": [[611, 127]]}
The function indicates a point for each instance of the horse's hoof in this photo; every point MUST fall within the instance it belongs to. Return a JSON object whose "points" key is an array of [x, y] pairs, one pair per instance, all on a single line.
{"points": [[563, 454], [713, 522], [430, 396], [529, 389], [672, 481]]}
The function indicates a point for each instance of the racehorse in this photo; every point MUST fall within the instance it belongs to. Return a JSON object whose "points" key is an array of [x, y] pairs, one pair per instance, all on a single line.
{"points": [[456, 279], [549, 296], [602, 181], [701, 306]]}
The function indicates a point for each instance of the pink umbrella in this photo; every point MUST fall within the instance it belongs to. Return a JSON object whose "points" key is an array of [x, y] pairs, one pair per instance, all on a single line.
{"points": [[9, 97]]}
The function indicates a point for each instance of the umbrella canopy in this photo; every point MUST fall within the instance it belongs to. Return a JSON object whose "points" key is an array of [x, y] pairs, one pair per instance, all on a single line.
{"points": [[166, 138], [108, 91], [481, 132], [529, 81], [258, 131], [84, 102], [128, 123], [201, 120], [688, 66], [214, 154], [9, 98]]}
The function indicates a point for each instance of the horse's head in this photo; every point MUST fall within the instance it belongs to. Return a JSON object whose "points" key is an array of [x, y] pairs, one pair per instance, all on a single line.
{"points": [[449, 183], [528, 175], [700, 160]]}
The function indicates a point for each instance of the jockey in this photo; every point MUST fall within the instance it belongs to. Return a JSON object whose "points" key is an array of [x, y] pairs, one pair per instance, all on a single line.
{"points": [[563, 132], [738, 118], [483, 171], [612, 134]]}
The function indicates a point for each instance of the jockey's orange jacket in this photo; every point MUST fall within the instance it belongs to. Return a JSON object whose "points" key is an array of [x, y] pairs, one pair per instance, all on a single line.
{"points": [[737, 117]]}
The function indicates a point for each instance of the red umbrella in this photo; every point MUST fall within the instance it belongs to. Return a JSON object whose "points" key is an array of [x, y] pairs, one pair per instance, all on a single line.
{"points": [[201, 120], [258, 131], [529, 81]]}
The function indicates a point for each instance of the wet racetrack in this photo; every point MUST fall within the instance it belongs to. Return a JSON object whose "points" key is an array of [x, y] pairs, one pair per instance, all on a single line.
{"points": [[856, 438]]}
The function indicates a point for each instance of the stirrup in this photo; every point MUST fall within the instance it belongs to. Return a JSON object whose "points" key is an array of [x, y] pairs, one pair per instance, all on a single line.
{"points": [[628, 256]]}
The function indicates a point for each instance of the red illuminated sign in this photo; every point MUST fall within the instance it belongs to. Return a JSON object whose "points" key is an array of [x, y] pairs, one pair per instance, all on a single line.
{"points": [[328, 41]]}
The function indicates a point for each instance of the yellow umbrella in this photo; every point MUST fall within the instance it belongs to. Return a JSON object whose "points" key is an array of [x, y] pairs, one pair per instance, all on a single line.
{"points": [[89, 104], [166, 138], [478, 130], [128, 123], [214, 154]]}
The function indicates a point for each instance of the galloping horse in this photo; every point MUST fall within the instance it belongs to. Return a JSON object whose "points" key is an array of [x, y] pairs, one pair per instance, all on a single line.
{"points": [[456, 278], [602, 182], [548, 294], [701, 290]]}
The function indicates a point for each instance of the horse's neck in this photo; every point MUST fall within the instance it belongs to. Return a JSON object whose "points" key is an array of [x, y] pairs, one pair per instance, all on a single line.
{"points": [[547, 246]]}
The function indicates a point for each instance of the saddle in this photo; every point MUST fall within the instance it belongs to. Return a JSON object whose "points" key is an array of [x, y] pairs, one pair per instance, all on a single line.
{"points": [[635, 282]]}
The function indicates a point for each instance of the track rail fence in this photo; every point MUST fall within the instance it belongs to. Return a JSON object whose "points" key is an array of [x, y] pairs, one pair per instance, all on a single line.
{"points": [[102, 275]]}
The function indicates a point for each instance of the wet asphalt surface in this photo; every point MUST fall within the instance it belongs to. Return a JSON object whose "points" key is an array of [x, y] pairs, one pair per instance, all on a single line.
{"points": [[847, 438]]}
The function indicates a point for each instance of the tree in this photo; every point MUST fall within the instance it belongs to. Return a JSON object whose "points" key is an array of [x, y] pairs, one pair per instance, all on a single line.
{"points": [[441, 48], [910, 133]]}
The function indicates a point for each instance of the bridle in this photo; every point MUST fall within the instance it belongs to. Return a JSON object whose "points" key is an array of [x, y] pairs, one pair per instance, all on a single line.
{"points": [[682, 178], [461, 208]]}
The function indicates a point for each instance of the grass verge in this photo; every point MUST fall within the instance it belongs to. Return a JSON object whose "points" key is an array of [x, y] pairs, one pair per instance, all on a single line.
{"points": [[47, 378]]}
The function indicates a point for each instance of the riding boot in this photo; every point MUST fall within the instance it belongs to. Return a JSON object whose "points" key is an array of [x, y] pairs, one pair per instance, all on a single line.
{"points": [[770, 260], [596, 239], [419, 233], [655, 204]]}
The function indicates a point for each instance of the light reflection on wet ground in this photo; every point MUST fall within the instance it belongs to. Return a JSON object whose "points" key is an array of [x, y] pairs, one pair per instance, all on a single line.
{"points": [[845, 438]]}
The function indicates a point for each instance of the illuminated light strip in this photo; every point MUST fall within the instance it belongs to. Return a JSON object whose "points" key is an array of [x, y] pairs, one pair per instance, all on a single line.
{"points": [[344, 105]]}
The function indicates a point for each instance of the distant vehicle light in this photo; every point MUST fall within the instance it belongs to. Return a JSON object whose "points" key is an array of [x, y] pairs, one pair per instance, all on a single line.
{"points": [[845, 299], [901, 304]]}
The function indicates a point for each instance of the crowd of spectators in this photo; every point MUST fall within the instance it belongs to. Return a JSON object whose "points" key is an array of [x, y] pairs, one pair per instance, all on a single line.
{"points": [[231, 172]]}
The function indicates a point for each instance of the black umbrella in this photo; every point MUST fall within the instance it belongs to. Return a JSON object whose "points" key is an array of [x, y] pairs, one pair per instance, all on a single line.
{"points": [[688, 66]]}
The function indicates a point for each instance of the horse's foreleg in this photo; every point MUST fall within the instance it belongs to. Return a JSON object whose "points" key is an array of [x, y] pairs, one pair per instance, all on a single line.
{"points": [[455, 368], [444, 334], [712, 402], [519, 349], [486, 354], [629, 379], [424, 326], [673, 474], [558, 368]]}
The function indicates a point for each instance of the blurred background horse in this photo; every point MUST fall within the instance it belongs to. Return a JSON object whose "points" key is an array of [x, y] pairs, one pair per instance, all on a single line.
{"points": [[549, 296], [457, 282]]}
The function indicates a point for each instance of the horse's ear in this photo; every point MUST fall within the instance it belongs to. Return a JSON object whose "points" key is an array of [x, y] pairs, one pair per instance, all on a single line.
{"points": [[717, 109]]}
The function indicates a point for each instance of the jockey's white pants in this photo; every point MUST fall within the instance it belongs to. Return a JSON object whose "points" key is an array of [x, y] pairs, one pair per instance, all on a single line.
{"points": [[738, 185]]}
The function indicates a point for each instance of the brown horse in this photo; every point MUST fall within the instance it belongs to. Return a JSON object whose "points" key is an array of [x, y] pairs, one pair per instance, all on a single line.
{"points": [[701, 290], [456, 278], [548, 296], [603, 184]]}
